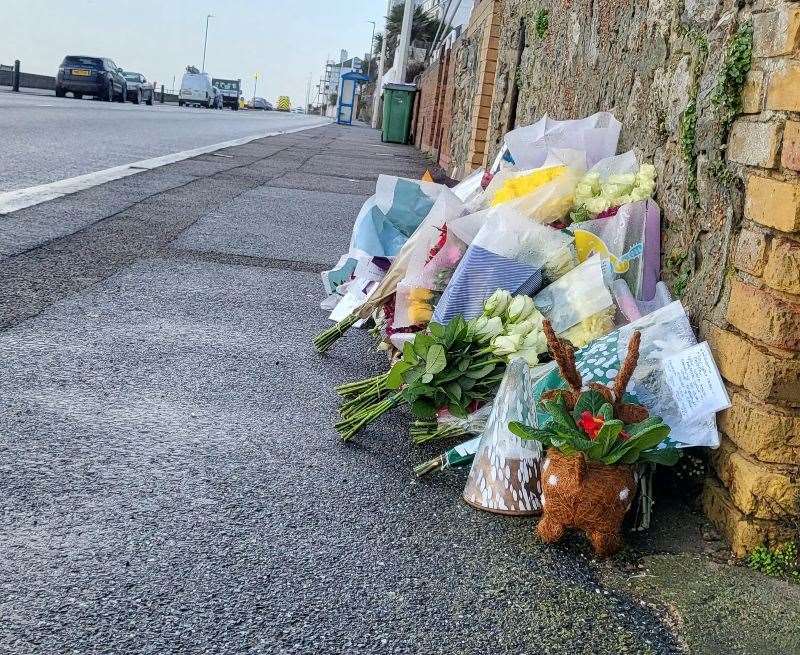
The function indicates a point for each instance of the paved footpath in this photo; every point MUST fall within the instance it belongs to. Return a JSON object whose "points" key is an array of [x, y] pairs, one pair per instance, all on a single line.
{"points": [[170, 481]]}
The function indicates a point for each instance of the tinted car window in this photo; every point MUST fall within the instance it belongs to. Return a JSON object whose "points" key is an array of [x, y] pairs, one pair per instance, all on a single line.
{"points": [[83, 62]]}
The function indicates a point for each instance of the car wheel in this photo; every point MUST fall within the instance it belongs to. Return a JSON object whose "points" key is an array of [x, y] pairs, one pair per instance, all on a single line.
{"points": [[180, 103], [123, 94], [109, 97], [137, 99]]}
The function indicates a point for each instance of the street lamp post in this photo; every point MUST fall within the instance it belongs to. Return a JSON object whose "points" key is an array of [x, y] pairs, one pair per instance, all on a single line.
{"points": [[371, 49], [205, 42]]}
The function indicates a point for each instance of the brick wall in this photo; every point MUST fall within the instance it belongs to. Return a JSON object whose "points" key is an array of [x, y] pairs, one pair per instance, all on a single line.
{"points": [[757, 494]]}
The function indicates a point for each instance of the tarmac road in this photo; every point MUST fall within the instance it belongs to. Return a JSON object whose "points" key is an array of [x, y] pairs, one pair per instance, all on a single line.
{"points": [[46, 139]]}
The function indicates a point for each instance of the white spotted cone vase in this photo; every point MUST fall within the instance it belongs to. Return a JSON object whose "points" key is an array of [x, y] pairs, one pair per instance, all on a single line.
{"points": [[505, 474]]}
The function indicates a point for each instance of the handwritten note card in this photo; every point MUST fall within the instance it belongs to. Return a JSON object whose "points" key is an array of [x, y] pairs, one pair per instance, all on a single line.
{"points": [[696, 384]]}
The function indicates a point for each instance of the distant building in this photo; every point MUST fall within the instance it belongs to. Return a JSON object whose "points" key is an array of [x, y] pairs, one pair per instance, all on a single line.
{"points": [[437, 8], [329, 83]]}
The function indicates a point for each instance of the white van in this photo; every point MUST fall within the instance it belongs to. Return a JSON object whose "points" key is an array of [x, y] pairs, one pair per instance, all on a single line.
{"points": [[196, 89]]}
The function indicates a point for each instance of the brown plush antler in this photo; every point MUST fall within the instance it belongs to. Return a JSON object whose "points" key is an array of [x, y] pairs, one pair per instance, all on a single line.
{"points": [[628, 366], [564, 354]]}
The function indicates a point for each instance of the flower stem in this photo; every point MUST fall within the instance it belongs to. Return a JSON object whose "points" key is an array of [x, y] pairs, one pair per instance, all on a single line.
{"points": [[350, 427], [327, 338]]}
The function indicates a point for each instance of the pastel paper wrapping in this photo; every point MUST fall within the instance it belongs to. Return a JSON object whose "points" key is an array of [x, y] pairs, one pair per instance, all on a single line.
{"points": [[509, 252], [385, 222], [628, 242], [596, 136]]}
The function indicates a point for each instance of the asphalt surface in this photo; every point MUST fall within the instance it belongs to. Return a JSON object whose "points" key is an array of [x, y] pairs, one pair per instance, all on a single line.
{"points": [[170, 480], [46, 139]]}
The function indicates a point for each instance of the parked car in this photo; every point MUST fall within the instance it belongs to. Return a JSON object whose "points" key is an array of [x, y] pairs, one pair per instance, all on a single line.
{"points": [[261, 103], [139, 89], [92, 76], [196, 89], [298, 110], [231, 92]]}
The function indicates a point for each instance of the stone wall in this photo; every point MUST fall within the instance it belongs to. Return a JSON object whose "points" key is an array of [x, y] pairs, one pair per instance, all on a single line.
{"points": [[726, 145], [475, 62]]}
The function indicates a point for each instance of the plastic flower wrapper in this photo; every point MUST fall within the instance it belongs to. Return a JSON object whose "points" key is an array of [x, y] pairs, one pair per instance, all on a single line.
{"points": [[595, 137], [576, 296], [448, 426], [611, 183], [629, 243], [544, 195], [510, 253], [386, 288]]}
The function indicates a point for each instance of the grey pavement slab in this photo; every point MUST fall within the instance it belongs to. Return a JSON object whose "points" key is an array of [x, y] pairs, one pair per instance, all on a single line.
{"points": [[327, 183], [276, 222]]}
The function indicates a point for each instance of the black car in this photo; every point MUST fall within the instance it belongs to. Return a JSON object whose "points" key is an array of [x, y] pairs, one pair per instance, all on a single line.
{"points": [[91, 76], [139, 89]]}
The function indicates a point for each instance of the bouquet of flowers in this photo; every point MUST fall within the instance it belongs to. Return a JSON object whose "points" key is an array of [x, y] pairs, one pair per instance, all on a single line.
{"points": [[446, 206], [603, 188], [457, 366], [509, 252]]}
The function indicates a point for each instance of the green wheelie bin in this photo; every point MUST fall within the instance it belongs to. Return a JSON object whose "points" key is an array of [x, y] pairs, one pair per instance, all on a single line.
{"points": [[398, 106]]}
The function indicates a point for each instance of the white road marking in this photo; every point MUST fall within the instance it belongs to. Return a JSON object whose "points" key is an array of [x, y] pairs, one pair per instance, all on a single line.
{"points": [[11, 201]]}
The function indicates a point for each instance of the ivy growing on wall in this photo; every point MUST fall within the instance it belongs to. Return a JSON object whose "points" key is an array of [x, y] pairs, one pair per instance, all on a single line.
{"points": [[542, 23], [688, 121], [727, 95]]}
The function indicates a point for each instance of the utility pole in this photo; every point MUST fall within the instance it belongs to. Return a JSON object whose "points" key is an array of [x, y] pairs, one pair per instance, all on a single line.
{"points": [[255, 86], [405, 41], [205, 43], [376, 95], [308, 93]]}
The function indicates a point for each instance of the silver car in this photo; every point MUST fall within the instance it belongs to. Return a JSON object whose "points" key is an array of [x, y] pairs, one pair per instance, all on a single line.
{"points": [[139, 89]]}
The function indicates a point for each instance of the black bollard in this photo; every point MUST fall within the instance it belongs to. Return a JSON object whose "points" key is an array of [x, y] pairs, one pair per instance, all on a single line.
{"points": [[15, 77], [162, 94]]}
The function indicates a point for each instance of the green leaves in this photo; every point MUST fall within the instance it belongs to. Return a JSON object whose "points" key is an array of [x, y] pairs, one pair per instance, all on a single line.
{"points": [[446, 368], [590, 401], [435, 359], [614, 443]]}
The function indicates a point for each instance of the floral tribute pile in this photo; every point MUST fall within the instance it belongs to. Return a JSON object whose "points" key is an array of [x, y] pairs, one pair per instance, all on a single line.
{"points": [[477, 293]]}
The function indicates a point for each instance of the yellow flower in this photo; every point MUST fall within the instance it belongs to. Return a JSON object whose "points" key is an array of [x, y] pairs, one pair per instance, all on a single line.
{"points": [[420, 293], [591, 328], [419, 312], [523, 185]]}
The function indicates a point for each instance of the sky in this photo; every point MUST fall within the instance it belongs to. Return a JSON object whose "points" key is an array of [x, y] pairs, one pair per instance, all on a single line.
{"points": [[284, 40]]}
